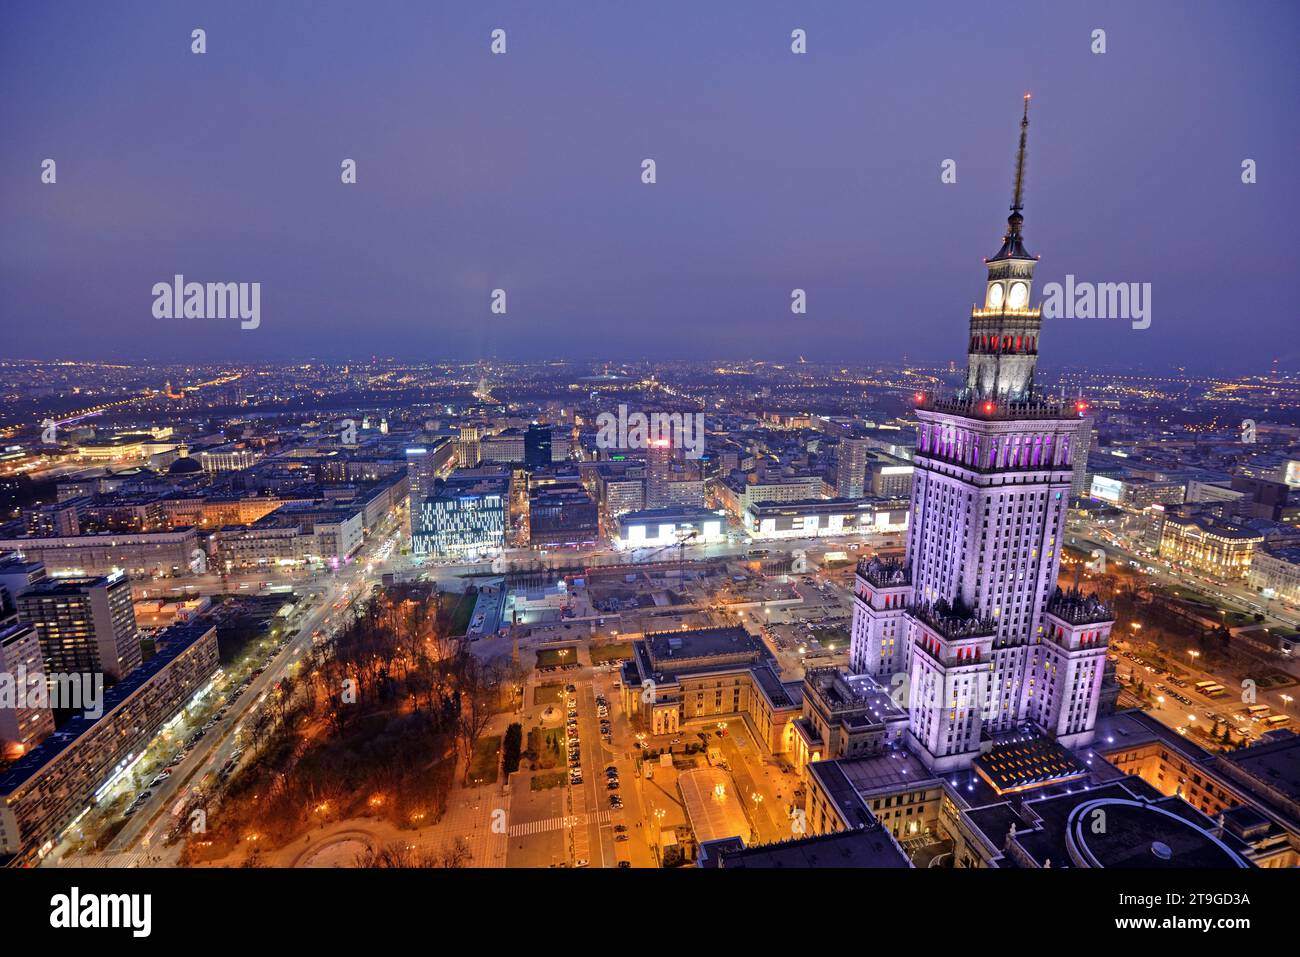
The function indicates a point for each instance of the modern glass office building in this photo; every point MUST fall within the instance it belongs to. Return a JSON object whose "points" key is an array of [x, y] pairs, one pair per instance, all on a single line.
{"points": [[460, 516]]}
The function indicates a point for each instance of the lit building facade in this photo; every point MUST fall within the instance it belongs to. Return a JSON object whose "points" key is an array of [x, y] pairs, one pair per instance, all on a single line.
{"points": [[143, 554], [25, 721], [562, 515], [659, 527], [84, 624], [462, 516], [658, 472], [825, 517], [1221, 550], [994, 469], [49, 788], [1276, 573], [851, 468]]}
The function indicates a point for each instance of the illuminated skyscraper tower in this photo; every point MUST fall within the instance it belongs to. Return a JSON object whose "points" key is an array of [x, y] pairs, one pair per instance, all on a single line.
{"points": [[658, 472], [986, 642]]}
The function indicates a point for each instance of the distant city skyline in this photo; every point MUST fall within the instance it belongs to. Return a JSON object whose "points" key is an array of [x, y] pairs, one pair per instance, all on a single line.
{"points": [[775, 171]]}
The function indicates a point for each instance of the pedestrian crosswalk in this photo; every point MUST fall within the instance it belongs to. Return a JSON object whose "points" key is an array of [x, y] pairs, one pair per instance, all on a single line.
{"points": [[565, 822]]}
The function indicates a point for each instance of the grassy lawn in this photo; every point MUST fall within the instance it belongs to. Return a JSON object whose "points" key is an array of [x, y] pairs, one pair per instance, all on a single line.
{"points": [[461, 612], [831, 635], [546, 780], [616, 651], [555, 657], [548, 694], [483, 768]]}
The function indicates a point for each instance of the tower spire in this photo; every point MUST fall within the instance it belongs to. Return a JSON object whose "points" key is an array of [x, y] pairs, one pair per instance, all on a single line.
{"points": [[1013, 246], [1017, 201]]}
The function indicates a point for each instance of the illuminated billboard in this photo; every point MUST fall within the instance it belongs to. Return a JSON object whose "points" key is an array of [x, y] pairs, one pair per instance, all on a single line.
{"points": [[1106, 489]]}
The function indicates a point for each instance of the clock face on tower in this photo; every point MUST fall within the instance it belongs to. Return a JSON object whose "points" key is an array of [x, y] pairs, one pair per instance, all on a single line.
{"points": [[995, 296], [1019, 295]]}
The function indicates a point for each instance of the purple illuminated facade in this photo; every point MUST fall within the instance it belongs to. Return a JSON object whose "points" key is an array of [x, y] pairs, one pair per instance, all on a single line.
{"points": [[970, 627]]}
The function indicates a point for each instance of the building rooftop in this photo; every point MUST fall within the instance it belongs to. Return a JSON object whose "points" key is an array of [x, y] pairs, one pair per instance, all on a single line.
{"points": [[1125, 729], [882, 772], [1275, 765], [12, 563], [859, 847], [666, 647], [1025, 763], [1078, 608], [885, 573], [1286, 553], [1135, 833], [53, 587], [953, 623], [1119, 823], [779, 693], [674, 512], [712, 805], [843, 793], [1037, 408]]}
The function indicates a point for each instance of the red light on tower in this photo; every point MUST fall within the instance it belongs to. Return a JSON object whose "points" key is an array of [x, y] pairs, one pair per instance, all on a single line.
{"points": [[989, 407], [920, 397], [1081, 407]]}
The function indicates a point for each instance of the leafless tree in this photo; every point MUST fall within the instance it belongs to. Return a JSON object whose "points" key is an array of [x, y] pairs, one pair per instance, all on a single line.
{"points": [[480, 685]]}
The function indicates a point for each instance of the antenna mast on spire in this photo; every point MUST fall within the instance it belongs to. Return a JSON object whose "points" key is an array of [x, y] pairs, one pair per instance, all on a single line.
{"points": [[1017, 203]]}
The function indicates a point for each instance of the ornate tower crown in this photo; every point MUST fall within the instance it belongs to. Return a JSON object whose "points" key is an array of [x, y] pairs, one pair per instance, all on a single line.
{"points": [[1003, 345]]}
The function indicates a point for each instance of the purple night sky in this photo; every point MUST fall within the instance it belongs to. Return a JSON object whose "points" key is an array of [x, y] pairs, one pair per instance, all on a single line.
{"points": [[522, 171]]}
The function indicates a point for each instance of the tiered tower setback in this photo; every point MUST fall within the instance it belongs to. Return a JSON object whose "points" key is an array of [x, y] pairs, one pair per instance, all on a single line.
{"points": [[971, 626]]}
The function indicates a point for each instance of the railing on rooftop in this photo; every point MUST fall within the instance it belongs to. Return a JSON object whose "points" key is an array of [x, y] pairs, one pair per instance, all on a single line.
{"points": [[885, 572], [1080, 609], [953, 624], [974, 406]]}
